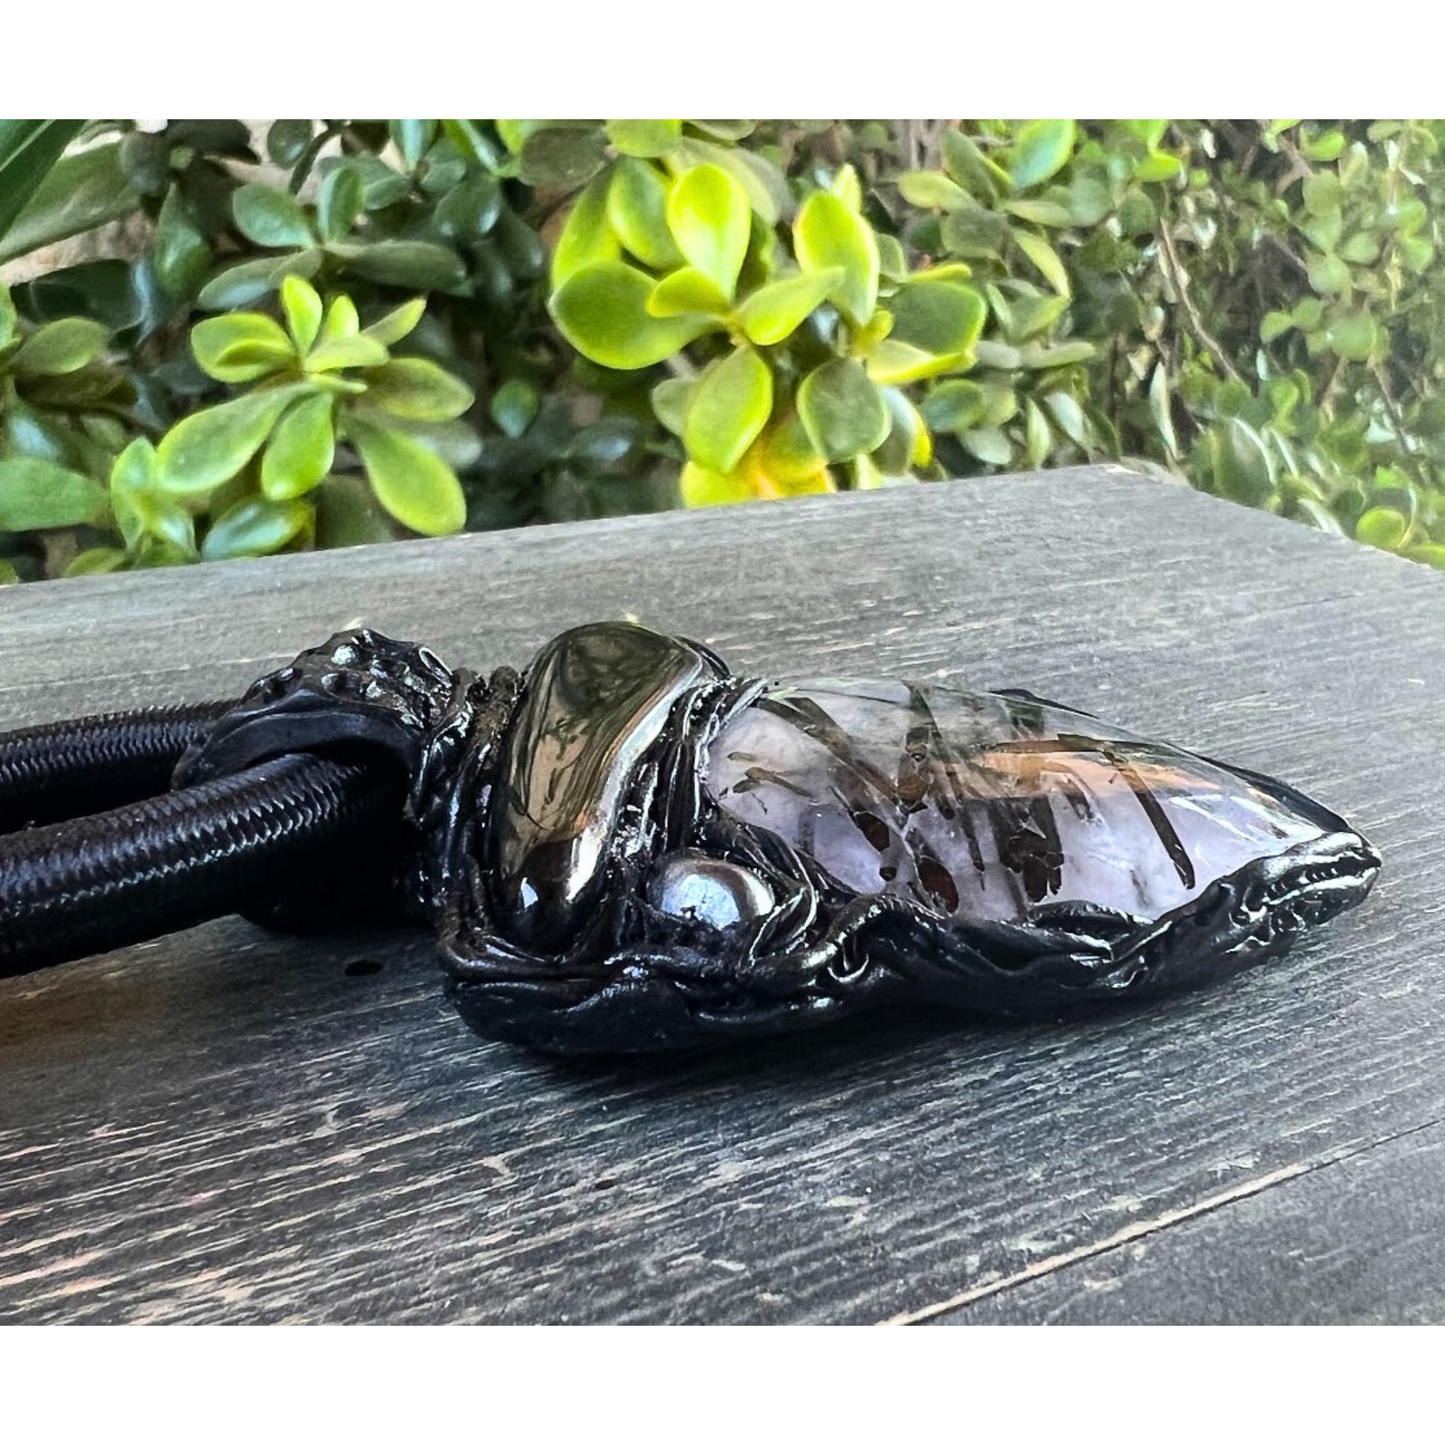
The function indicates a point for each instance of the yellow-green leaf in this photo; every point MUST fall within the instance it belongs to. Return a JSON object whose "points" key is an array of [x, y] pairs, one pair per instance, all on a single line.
{"points": [[708, 214], [773, 312], [397, 325], [602, 311], [209, 448], [1045, 258], [637, 212], [300, 451], [413, 387], [586, 237], [61, 347], [686, 291], [36, 493], [828, 236], [729, 406], [303, 311], [242, 347], [701, 488], [1382, 527], [414, 484], [645, 138], [896, 363]]}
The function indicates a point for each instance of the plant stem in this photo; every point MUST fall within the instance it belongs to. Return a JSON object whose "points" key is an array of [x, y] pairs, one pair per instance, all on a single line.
{"points": [[1175, 273]]}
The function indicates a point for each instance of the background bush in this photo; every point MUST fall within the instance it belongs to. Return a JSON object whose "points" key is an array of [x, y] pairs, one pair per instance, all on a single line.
{"points": [[347, 331]]}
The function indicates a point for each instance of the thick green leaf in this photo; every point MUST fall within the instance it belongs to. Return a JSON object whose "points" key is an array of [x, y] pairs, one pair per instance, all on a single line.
{"points": [[1051, 213], [931, 190], [418, 265], [300, 451], [399, 324], [412, 138], [773, 312], [254, 527], [896, 363], [250, 281], [708, 214], [286, 141], [1045, 258], [764, 184], [586, 236], [1042, 149], [828, 236], [686, 291], [729, 406], [941, 317], [28, 151], [602, 311], [242, 347], [209, 448], [61, 347], [36, 493], [842, 410], [637, 211], [302, 308], [1159, 409], [645, 138], [95, 562], [1240, 462], [698, 487], [340, 353], [1382, 527], [419, 389], [270, 216], [414, 484], [514, 406], [562, 157], [989, 445], [669, 402], [954, 406], [1069, 416], [339, 201], [1353, 336], [179, 252], [1328, 274]]}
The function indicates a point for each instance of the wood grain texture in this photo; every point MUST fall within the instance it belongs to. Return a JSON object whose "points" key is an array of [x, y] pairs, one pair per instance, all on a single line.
{"points": [[228, 1125]]}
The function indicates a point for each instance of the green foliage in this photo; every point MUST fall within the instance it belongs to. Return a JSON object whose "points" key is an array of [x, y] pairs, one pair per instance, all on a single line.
{"points": [[528, 320]]}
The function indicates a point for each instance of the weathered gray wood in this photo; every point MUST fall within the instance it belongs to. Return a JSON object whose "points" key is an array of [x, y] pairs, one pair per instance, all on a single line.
{"points": [[227, 1125], [1357, 1237]]}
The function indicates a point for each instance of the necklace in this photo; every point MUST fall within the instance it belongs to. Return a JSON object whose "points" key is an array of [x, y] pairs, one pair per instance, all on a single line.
{"points": [[626, 847]]}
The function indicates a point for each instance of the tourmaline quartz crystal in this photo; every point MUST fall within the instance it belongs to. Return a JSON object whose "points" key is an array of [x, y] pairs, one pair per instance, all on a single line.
{"points": [[986, 806]]}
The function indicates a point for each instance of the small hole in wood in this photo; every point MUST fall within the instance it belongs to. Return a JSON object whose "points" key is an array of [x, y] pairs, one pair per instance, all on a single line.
{"points": [[362, 967], [599, 1184]]}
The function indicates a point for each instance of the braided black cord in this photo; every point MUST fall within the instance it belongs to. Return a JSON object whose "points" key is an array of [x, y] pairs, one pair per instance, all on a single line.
{"points": [[91, 764], [294, 824]]}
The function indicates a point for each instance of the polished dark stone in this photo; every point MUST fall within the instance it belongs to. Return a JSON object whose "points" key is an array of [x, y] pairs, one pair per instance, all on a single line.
{"points": [[597, 699], [976, 805]]}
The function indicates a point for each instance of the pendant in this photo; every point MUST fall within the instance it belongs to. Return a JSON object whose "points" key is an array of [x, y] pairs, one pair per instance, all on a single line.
{"points": [[628, 848]]}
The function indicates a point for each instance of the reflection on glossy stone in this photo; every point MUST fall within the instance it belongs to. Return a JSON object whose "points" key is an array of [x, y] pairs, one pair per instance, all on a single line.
{"points": [[694, 885], [982, 806], [597, 698]]}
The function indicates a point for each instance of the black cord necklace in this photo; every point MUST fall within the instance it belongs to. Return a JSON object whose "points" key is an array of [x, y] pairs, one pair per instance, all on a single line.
{"points": [[629, 848]]}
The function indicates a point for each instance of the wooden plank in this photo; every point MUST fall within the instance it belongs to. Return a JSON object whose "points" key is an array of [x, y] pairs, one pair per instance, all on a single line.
{"points": [[229, 1125], [1350, 1241]]}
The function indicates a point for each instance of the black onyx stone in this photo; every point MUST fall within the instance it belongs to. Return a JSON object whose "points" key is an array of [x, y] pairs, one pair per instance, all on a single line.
{"points": [[983, 806], [597, 699]]}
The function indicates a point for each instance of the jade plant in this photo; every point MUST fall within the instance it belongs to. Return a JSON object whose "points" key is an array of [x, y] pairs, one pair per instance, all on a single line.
{"points": [[790, 360]]}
